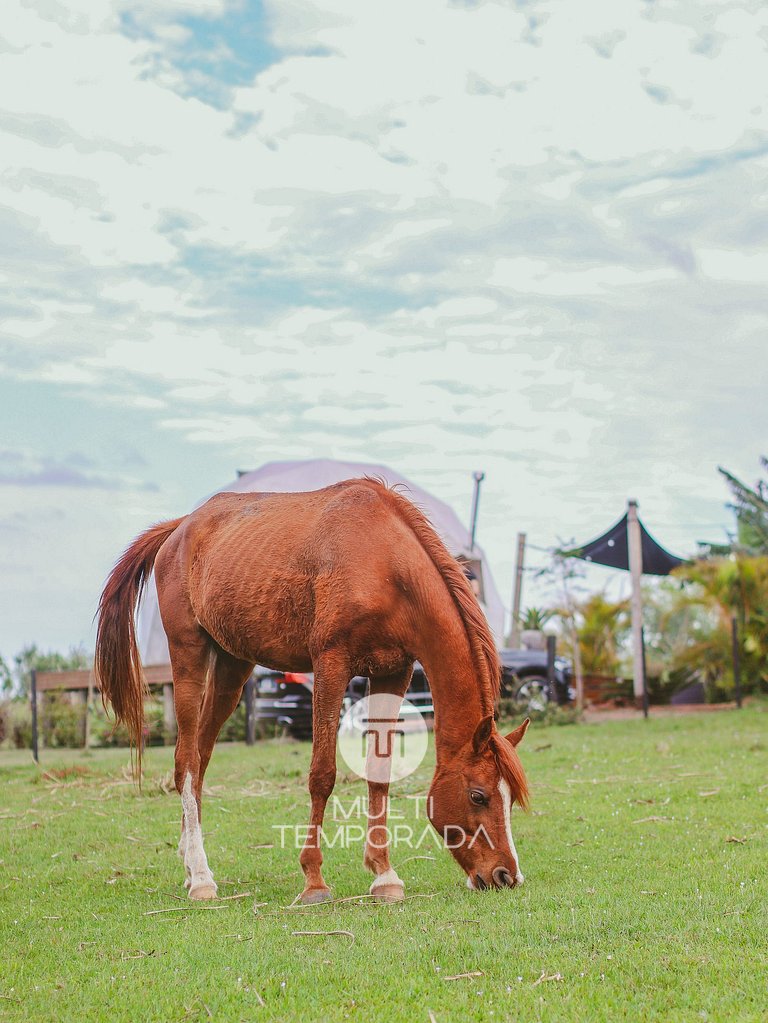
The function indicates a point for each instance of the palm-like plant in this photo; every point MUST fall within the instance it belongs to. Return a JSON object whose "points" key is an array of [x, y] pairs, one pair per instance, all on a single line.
{"points": [[726, 588], [603, 626], [535, 618]]}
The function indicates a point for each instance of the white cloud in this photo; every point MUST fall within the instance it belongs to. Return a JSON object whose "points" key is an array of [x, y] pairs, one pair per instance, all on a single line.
{"points": [[729, 265], [453, 237]]}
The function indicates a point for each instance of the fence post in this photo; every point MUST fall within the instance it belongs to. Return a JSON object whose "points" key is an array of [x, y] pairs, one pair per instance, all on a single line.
{"points": [[551, 680], [250, 711], [645, 674], [33, 699]]}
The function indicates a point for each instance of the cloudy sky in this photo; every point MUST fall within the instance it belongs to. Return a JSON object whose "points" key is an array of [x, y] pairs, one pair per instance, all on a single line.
{"points": [[527, 238]]}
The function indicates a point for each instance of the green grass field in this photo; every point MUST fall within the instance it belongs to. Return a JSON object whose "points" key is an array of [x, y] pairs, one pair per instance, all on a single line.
{"points": [[646, 894]]}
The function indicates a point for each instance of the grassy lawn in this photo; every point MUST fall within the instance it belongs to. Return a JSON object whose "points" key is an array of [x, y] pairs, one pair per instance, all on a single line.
{"points": [[646, 894]]}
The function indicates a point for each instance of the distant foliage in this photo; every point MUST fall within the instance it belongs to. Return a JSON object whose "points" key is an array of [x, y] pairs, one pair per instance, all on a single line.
{"points": [[535, 618], [750, 505], [721, 589], [31, 658]]}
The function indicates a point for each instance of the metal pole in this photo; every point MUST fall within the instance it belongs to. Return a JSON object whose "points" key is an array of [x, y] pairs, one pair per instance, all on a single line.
{"points": [[736, 659], [478, 477], [634, 542], [33, 698], [250, 711], [514, 631], [551, 680], [645, 677]]}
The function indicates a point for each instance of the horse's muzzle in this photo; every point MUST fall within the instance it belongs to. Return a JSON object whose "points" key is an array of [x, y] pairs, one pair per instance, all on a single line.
{"points": [[500, 878]]}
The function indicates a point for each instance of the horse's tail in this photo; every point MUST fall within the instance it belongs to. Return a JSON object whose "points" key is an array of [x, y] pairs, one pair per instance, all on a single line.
{"points": [[117, 665]]}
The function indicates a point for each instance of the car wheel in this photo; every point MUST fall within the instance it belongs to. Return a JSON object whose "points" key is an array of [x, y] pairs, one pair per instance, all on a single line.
{"points": [[532, 695]]}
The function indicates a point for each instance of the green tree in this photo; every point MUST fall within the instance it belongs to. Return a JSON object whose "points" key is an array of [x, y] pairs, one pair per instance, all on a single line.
{"points": [[6, 678], [727, 587], [750, 505], [602, 626], [31, 658], [535, 618]]}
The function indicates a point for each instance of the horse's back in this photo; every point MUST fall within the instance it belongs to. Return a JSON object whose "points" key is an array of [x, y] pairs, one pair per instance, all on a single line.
{"points": [[268, 574]]}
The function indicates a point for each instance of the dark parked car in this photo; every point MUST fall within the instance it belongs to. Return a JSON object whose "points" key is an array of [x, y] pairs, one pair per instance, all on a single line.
{"points": [[418, 693], [524, 680], [284, 699]]}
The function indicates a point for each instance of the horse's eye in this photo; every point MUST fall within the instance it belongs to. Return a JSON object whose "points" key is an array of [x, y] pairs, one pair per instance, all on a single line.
{"points": [[478, 797]]}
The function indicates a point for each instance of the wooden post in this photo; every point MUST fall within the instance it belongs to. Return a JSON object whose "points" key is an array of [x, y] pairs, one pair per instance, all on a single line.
{"points": [[634, 541], [33, 699], [88, 712], [80, 699], [169, 714], [575, 646], [250, 711], [551, 680], [645, 675], [514, 631]]}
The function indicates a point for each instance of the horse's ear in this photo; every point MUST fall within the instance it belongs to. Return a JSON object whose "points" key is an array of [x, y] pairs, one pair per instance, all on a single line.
{"points": [[482, 734], [517, 735]]}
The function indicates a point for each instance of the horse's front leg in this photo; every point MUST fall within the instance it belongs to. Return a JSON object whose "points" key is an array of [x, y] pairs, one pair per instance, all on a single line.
{"points": [[384, 699], [331, 681]]}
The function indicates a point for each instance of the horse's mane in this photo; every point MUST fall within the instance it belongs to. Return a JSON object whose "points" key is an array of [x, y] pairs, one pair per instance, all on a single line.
{"points": [[481, 642], [510, 768]]}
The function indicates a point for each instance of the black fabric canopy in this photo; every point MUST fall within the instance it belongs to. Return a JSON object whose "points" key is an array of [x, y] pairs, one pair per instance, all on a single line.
{"points": [[612, 549]]}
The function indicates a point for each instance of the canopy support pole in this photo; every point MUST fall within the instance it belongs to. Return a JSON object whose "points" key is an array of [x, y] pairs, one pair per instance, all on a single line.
{"points": [[478, 477], [514, 629], [634, 543]]}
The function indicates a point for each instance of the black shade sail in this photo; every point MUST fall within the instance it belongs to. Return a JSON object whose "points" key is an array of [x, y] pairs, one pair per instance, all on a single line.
{"points": [[612, 549]]}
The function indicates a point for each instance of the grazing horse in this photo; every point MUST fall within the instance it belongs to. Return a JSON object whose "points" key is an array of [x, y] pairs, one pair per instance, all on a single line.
{"points": [[348, 580]]}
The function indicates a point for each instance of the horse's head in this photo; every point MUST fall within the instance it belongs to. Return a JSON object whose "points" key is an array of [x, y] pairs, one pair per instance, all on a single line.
{"points": [[470, 802]]}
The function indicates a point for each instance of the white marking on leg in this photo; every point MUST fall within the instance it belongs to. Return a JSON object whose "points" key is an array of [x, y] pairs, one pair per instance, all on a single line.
{"points": [[181, 849], [388, 877], [470, 883], [506, 798], [195, 860]]}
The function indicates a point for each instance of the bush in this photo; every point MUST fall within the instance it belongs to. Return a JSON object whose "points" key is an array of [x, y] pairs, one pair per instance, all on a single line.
{"points": [[104, 731], [552, 714], [62, 722], [20, 724], [233, 729]]}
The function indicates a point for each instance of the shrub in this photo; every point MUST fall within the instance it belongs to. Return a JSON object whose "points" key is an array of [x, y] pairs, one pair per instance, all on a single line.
{"points": [[233, 729], [20, 724], [62, 722], [552, 714]]}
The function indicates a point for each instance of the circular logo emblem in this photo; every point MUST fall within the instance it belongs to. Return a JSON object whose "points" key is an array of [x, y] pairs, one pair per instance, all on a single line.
{"points": [[383, 738]]}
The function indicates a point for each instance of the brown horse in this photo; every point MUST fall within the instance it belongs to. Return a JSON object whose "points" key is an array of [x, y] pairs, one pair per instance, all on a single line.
{"points": [[349, 580]]}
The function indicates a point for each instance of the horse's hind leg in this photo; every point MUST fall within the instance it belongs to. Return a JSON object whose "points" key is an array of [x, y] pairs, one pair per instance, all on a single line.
{"points": [[190, 651], [332, 677], [385, 696], [222, 695], [227, 677]]}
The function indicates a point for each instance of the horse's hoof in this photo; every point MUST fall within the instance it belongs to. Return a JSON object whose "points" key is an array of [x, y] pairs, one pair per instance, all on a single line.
{"points": [[388, 893], [313, 895], [203, 891]]}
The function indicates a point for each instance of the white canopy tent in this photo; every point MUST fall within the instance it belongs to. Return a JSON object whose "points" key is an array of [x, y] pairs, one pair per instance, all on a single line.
{"points": [[293, 477]]}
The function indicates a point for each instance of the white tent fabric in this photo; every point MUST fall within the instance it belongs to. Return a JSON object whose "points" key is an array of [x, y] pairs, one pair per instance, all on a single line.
{"points": [[294, 477]]}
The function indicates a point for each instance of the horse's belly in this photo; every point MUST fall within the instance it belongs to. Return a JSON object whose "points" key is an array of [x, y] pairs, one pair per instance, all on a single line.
{"points": [[268, 625]]}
